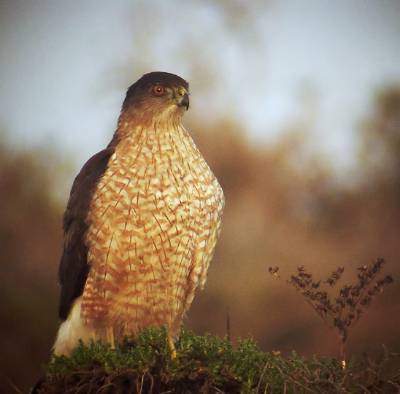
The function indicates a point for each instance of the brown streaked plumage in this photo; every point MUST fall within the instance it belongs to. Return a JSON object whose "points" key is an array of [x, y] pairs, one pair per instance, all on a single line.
{"points": [[141, 223]]}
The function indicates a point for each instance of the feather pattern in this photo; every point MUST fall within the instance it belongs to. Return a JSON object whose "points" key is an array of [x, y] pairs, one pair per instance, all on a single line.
{"points": [[141, 223]]}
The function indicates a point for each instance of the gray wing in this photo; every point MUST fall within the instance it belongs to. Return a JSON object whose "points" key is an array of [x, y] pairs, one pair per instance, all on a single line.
{"points": [[74, 269]]}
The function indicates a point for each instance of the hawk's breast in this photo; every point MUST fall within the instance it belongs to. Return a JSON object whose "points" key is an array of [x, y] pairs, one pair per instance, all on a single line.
{"points": [[153, 223]]}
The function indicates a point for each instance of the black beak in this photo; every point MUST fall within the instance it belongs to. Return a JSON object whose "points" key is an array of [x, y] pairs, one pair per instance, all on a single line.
{"points": [[184, 101]]}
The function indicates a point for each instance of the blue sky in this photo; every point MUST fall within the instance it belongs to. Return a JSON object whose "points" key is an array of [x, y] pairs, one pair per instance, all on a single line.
{"points": [[65, 66]]}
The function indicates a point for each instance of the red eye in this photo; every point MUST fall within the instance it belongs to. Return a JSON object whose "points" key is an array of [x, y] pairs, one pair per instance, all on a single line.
{"points": [[158, 90]]}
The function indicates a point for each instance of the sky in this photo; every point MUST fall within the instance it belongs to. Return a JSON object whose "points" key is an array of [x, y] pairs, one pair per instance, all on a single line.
{"points": [[65, 66]]}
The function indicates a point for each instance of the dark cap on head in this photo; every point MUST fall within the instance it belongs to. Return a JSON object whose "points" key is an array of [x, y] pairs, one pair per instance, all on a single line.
{"points": [[141, 87], [162, 78]]}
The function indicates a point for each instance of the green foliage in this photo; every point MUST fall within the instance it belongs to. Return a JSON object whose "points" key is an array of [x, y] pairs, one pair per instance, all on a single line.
{"points": [[208, 364]]}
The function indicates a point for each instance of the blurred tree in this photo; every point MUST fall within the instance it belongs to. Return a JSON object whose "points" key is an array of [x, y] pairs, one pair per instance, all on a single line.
{"points": [[380, 148], [380, 163], [30, 242]]}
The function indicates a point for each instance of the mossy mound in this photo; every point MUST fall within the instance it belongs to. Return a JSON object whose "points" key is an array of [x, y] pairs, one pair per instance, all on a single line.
{"points": [[208, 364]]}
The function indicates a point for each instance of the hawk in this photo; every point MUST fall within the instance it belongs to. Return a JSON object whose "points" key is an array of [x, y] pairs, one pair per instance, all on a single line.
{"points": [[141, 223]]}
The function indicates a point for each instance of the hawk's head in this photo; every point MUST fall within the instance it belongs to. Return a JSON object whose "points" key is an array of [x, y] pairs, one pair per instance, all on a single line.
{"points": [[157, 95]]}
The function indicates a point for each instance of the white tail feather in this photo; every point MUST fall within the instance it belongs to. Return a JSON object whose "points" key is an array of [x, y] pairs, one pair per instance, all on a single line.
{"points": [[71, 331]]}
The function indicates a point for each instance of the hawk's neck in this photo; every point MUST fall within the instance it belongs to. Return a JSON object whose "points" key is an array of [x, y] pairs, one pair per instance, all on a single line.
{"points": [[152, 141]]}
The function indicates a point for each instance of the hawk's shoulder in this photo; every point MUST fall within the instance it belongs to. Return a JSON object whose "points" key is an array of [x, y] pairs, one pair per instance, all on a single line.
{"points": [[73, 269]]}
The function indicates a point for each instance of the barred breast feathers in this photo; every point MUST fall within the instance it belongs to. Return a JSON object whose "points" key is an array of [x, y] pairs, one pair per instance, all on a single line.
{"points": [[160, 193]]}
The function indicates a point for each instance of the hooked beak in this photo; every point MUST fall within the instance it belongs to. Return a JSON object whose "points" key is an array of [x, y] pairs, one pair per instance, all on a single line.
{"points": [[182, 97]]}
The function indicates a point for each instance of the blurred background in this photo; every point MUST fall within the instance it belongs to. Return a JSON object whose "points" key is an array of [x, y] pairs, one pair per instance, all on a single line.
{"points": [[296, 107]]}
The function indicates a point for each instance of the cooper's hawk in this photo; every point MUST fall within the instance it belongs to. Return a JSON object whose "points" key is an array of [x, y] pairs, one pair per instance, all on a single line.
{"points": [[141, 223]]}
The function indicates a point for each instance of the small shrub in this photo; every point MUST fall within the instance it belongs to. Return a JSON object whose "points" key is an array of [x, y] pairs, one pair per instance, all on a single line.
{"points": [[343, 310]]}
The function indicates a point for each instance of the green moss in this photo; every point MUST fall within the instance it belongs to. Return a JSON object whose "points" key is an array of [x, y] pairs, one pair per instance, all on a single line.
{"points": [[206, 364]]}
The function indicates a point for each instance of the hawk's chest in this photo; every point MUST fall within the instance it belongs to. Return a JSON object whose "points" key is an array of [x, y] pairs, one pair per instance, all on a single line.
{"points": [[154, 192]]}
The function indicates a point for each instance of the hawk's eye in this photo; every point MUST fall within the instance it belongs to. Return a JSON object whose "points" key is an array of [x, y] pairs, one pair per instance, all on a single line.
{"points": [[158, 90]]}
